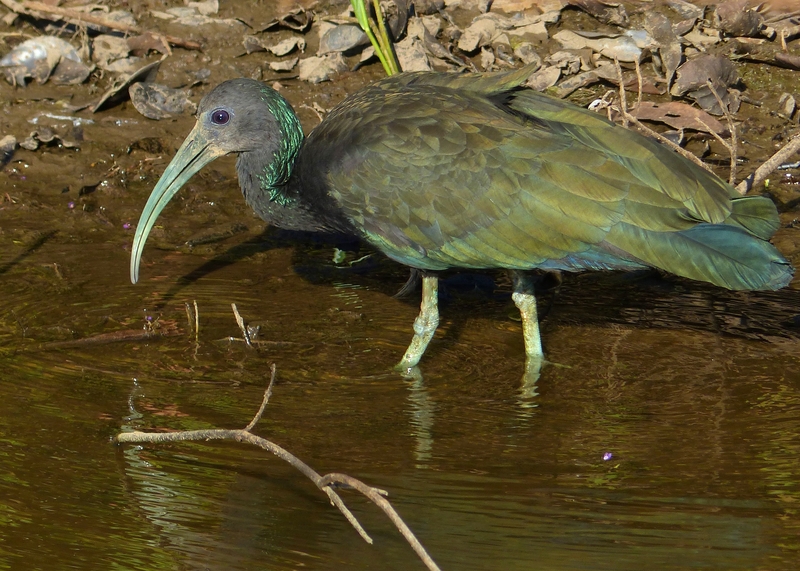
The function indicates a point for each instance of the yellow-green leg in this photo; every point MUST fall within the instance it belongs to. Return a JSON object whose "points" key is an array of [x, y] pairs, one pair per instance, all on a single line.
{"points": [[425, 324], [525, 300]]}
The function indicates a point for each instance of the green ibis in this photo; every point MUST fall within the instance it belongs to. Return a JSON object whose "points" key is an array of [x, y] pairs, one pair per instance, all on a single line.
{"points": [[441, 170]]}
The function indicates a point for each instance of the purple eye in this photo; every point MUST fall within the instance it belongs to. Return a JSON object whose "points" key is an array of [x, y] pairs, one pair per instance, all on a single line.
{"points": [[220, 117]]}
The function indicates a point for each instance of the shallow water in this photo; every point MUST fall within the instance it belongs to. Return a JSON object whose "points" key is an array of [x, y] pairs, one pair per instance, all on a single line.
{"points": [[701, 421]]}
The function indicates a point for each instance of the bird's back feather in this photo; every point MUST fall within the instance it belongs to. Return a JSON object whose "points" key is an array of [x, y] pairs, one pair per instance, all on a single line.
{"points": [[442, 170]]}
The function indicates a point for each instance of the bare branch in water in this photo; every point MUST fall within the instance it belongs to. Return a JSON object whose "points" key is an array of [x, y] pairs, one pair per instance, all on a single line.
{"points": [[770, 165], [325, 483], [267, 394]]}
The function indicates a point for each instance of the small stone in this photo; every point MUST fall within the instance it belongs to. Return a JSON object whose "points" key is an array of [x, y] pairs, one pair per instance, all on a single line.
{"points": [[285, 65], [527, 53], [321, 68], [788, 105]]}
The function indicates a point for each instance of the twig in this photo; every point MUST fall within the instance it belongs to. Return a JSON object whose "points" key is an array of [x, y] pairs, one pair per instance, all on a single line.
{"points": [[627, 118], [781, 16], [267, 394], [242, 325], [124, 335], [196, 320], [725, 144], [40, 10], [377, 497], [770, 165], [731, 129], [640, 81], [623, 101], [189, 316], [193, 317], [661, 138], [324, 483]]}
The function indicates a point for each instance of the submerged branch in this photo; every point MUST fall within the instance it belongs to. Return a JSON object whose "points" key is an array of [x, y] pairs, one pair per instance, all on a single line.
{"points": [[325, 483], [772, 163]]}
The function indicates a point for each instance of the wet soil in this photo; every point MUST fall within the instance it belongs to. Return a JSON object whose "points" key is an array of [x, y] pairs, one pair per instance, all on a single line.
{"points": [[665, 435]]}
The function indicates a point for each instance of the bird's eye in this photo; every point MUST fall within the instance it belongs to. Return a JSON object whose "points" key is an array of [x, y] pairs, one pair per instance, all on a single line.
{"points": [[220, 117]]}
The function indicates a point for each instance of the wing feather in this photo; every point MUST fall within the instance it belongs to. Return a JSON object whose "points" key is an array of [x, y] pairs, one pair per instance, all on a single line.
{"points": [[441, 171]]}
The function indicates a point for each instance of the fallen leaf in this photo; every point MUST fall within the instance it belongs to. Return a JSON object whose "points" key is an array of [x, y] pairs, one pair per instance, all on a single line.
{"points": [[666, 41], [679, 116], [43, 58], [686, 9], [735, 18], [344, 38], [298, 20], [285, 65], [478, 34], [692, 80], [8, 145], [607, 12], [622, 47], [156, 101], [412, 56], [544, 78], [119, 89]]}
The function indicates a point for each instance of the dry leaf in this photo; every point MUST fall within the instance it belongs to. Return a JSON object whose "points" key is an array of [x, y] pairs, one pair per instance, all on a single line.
{"points": [[679, 116]]}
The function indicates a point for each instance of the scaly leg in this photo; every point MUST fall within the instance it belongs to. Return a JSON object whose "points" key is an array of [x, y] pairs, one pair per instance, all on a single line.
{"points": [[525, 300], [425, 323]]}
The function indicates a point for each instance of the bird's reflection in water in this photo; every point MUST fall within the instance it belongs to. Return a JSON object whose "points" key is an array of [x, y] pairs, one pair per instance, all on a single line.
{"points": [[423, 410], [528, 389]]}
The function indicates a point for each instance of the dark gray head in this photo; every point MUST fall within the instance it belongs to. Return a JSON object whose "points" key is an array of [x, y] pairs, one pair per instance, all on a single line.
{"points": [[242, 115], [237, 116]]}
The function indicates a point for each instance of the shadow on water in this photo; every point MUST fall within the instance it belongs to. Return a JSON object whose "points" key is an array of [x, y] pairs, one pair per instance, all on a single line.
{"points": [[647, 300], [644, 299], [38, 243], [269, 239]]}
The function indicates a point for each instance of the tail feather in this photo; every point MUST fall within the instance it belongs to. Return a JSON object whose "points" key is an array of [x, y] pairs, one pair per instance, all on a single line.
{"points": [[756, 214], [722, 254]]}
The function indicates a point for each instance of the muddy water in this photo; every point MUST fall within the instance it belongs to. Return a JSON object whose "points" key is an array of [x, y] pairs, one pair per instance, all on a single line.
{"points": [[665, 436], [693, 391]]}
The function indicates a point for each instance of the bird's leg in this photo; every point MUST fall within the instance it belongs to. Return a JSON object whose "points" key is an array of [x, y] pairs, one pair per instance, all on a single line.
{"points": [[425, 323], [525, 300]]}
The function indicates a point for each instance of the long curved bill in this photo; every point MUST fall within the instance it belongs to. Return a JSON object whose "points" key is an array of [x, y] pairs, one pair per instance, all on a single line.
{"points": [[194, 154]]}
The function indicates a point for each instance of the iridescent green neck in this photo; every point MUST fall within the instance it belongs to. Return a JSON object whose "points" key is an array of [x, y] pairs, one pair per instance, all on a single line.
{"points": [[277, 171]]}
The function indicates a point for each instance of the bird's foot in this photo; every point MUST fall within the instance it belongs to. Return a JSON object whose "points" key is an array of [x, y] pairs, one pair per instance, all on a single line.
{"points": [[424, 325], [407, 371]]}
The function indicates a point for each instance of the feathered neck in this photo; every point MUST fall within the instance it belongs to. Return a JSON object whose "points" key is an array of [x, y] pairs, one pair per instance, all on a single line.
{"points": [[264, 172]]}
